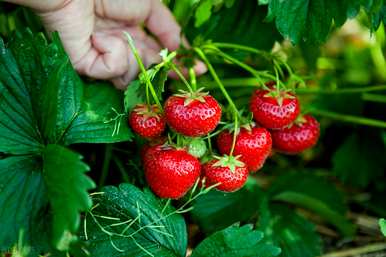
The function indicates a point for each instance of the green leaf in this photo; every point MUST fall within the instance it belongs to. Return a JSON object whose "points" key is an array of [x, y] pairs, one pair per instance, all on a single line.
{"points": [[159, 82], [18, 126], [294, 234], [360, 159], [316, 194], [217, 210], [22, 194], [376, 12], [134, 94], [203, 12], [309, 20], [66, 110], [382, 225], [67, 188], [101, 118], [236, 241], [182, 10], [128, 222], [242, 23], [54, 87]]}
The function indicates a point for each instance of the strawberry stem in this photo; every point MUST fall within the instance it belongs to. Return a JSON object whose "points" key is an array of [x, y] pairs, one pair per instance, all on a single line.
{"points": [[243, 48], [253, 82], [234, 136], [254, 72], [349, 118], [193, 80], [182, 77], [264, 54], [210, 144], [217, 80], [143, 69]]}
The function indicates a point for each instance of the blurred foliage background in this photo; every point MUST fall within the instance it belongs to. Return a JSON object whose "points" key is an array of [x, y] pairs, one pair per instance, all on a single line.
{"points": [[327, 199]]}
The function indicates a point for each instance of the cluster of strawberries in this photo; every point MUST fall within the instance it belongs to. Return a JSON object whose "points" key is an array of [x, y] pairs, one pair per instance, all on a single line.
{"points": [[171, 171]]}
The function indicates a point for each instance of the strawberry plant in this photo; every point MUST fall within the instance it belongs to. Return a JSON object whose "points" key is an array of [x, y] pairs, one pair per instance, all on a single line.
{"points": [[277, 150]]}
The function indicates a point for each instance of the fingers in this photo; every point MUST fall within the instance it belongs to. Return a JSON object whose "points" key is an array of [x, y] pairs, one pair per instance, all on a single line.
{"points": [[154, 13], [148, 50], [75, 27], [162, 24], [106, 58], [149, 58], [99, 56], [132, 12], [199, 69]]}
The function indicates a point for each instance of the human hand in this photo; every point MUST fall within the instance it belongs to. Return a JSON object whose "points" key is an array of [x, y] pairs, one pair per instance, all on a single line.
{"points": [[92, 34]]}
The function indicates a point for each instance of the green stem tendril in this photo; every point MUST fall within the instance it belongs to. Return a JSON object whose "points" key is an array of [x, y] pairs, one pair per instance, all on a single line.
{"points": [[349, 118], [277, 79], [147, 95], [253, 82], [193, 79], [218, 81], [181, 76], [234, 135], [254, 72], [209, 138], [143, 69], [243, 48], [288, 68]]}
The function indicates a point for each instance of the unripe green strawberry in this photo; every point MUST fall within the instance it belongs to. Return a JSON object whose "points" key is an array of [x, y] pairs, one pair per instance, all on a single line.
{"points": [[197, 147]]}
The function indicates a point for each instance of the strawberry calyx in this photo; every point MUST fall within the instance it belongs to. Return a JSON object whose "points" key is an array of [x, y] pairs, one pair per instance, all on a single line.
{"points": [[299, 121], [279, 94], [244, 122], [148, 111], [229, 161], [193, 96]]}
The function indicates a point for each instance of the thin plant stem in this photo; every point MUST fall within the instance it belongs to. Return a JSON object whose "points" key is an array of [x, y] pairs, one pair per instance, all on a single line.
{"points": [[217, 80], [349, 118], [234, 136], [181, 76], [193, 79], [243, 48], [121, 169], [143, 69], [106, 164], [242, 65], [253, 82], [374, 98]]}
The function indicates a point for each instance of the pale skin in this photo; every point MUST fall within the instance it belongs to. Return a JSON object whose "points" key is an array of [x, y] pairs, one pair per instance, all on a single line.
{"points": [[92, 34]]}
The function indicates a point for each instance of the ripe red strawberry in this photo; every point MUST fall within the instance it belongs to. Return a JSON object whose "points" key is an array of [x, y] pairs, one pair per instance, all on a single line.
{"points": [[253, 144], [230, 173], [170, 172], [147, 121], [152, 145], [303, 134], [192, 114], [274, 109]]}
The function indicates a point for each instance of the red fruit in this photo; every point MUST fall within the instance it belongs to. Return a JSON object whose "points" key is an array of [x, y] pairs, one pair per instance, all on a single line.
{"points": [[230, 173], [170, 172], [253, 145], [192, 114], [147, 121], [273, 109], [301, 135], [152, 146]]}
